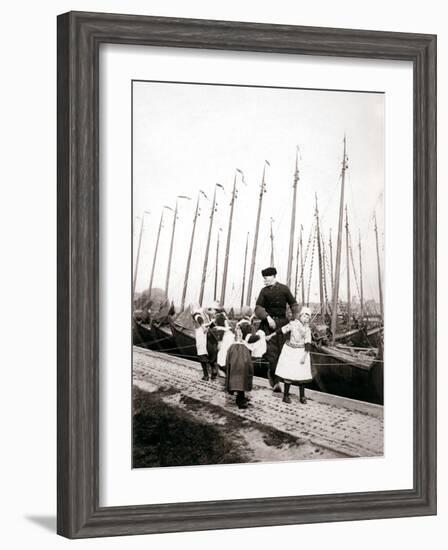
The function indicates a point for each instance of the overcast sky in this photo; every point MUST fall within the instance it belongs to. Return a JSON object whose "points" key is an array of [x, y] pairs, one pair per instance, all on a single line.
{"points": [[188, 137]]}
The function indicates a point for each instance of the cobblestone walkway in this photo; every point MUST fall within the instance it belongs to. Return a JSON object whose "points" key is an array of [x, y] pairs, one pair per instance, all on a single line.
{"points": [[345, 431]]}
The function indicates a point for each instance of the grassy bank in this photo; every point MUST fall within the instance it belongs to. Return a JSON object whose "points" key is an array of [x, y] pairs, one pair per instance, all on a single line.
{"points": [[165, 435]]}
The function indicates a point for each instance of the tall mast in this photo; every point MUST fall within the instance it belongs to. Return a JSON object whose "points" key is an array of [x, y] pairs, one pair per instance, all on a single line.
{"points": [[207, 248], [360, 277], [331, 263], [257, 226], [272, 244], [335, 298], [301, 266], [137, 260], [293, 221], [155, 252], [324, 272], [244, 271], [229, 235], [380, 288], [347, 247], [170, 256], [187, 269], [297, 268], [215, 291], [319, 254]]}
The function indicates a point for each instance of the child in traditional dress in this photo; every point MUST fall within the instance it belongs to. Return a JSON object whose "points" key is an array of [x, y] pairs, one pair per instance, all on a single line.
{"points": [[239, 368], [294, 364], [200, 334], [258, 345], [225, 337]]}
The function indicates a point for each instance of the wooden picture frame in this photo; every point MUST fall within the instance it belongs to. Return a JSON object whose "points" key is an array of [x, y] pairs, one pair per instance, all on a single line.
{"points": [[79, 37]]}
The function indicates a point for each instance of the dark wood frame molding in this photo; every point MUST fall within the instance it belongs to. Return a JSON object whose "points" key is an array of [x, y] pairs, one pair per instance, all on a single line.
{"points": [[79, 37]]}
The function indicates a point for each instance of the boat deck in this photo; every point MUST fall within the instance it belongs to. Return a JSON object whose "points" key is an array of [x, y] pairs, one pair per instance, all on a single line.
{"points": [[344, 426]]}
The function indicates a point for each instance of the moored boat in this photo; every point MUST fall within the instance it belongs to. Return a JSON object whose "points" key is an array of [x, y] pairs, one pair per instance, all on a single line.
{"points": [[347, 369], [143, 335], [185, 342], [374, 336], [350, 372], [182, 329], [164, 338]]}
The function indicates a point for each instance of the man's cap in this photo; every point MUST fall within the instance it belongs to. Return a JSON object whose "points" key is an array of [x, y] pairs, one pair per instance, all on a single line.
{"points": [[269, 271]]}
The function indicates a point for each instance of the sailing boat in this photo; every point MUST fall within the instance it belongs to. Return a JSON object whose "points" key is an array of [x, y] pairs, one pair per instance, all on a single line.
{"points": [[155, 333], [182, 327], [347, 333], [375, 334], [369, 332], [143, 333], [139, 316], [339, 368], [161, 323]]}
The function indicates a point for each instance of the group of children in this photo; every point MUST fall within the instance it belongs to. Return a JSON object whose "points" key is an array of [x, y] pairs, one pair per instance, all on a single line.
{"points": [[238, 351]]}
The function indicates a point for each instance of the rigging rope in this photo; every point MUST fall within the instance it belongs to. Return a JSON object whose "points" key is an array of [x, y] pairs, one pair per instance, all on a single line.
{"points": [[351, 361], [311, 266], [324, 262], [353, 264], [305, 258]]}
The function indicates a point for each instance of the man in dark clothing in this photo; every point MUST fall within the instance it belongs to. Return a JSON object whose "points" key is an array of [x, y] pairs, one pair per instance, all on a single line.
{"points": [[271, 309]]}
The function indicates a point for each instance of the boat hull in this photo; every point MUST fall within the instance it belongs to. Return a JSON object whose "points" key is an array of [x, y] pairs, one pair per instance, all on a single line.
{"points": [[184, 341], [375, 336], [336, 373], [363, 337], [164, 339], [356, 337], [143, 335]]}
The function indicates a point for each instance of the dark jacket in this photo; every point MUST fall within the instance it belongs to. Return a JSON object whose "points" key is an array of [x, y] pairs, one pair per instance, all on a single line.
{"points": [[272, 301]]}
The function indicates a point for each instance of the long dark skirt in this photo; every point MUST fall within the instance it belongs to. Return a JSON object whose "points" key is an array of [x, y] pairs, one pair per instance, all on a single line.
{"points": [[239, 368]]}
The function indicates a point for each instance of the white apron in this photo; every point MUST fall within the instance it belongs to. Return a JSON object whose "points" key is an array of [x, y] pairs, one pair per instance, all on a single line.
{"points": [[290, 366], [258, 348], [227, 340]]}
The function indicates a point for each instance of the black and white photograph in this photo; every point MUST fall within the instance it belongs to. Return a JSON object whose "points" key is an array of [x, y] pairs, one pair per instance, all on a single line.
{"points": [[258, 266]]}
